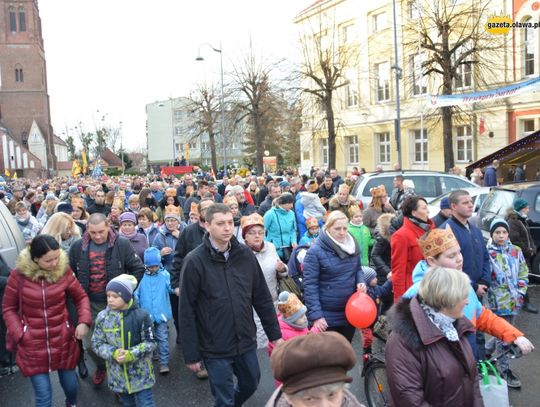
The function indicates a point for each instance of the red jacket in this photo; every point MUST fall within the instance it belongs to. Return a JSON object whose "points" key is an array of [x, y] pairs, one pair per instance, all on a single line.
{"points": [[405, 255], [46, 340]]}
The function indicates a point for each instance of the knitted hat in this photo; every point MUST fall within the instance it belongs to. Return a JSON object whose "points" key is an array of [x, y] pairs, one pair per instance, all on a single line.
{"points": [[152, 257], [51, 197], [312, 223], [123, 285], [379, 191], [77, 202], [284, 184], [290, 307], [369, 274], [519, 204], [128, 217], [312, 186], [309, 361], [170, 192], [249, 222], [496, 223], [73, 189], [437, 241], [172, 212], [445, 203], [64, 207], [286, 198]]}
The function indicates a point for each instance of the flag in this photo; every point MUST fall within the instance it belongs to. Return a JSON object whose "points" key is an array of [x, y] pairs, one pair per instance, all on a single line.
{"points": [[212, 173], [187, 151], [482, 126], [14, 174], [75, 168], [6, 173], [96, 173], [84, 161]]}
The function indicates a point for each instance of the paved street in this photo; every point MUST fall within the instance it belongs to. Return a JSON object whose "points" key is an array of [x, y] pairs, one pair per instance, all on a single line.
{"points": [[181, 388]]}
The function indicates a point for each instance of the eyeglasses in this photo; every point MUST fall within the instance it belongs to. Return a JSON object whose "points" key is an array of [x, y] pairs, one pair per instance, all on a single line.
{"points": [[255, 233]]}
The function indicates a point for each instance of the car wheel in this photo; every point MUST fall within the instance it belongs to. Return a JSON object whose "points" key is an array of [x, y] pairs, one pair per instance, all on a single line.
{"points": [[535, 270]]}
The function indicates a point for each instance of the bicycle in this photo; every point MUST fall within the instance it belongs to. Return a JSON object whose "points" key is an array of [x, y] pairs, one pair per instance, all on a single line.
{"points": [[376, 387]]}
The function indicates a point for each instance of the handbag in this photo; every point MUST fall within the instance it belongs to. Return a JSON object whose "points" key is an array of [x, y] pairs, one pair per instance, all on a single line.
{"points": [[493, 388], [288, 284], [11, 343]]}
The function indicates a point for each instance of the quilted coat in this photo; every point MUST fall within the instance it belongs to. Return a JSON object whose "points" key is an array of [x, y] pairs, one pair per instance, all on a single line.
{"points": [[45, 336], [330, 278]]}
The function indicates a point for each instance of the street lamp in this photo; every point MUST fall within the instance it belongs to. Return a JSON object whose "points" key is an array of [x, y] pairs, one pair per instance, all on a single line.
{"points": [[200, 58]]}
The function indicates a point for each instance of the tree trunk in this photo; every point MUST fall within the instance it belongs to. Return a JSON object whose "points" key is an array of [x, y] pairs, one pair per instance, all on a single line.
{"points": [[212, 142], [258, 144], [331, 133], [447, 138]]}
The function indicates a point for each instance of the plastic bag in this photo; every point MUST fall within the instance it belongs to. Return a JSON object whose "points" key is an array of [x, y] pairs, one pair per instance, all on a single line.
{"points": [[493, 388]]}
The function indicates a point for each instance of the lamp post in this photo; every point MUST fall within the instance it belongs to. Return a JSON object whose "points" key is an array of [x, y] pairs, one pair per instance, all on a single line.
{"points": [[397, 76], [200, 58]]}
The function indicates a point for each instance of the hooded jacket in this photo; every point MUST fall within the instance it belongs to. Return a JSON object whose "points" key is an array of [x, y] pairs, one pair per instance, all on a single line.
{"points": [[152, 295], [313, 207], [189, 239], [139, 243], [424, 368], [45, 336], [330, 278], [163, 239], [520, 235], [365, 241], [280, 228]]}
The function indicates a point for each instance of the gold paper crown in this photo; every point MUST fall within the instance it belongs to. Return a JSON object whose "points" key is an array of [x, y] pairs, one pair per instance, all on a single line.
{"points": [[77, 201], [312, 222], [290, 307], [171, 209], [118, 202], [437, 241], [252, 220], [194, 208], [379, 191], [229, 200], [170, 192]]}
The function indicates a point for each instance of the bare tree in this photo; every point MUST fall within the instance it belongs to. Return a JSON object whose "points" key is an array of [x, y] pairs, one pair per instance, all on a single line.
{"points": [[70, 143]]}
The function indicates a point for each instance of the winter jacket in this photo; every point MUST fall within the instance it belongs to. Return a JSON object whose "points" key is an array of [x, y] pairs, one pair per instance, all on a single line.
{"points": [[381, 259], [139, 243], [482, 318], [520, 234], [308, 239], [120, 258], [509, 279], [519, 175], [397, 198], [490, 177], [313, 207], [150, 233], [405, 255], [165, 238], [424, 368], [246, 208], [152, 295], [364, 239], [265, 205], [190, 238], [217, 297], [295, 267], [335, 205], [132, 330], [300, 219], [280, 228], [371, 215], [439, 219], [29, 227], [95, 208], [268, 259], [45, 336], [330, 278], [473, 250], [289, 332]]}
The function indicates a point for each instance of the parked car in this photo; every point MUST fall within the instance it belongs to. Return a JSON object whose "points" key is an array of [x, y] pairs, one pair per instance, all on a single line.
{"points": [[429, 184], [478, 195], [501, 198], [11, 238]]}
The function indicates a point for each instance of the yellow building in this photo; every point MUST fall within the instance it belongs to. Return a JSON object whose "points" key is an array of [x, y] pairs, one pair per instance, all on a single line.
{"points": [[365, 103]]}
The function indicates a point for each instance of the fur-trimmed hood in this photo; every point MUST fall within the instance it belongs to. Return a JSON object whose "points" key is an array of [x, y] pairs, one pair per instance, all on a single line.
{"points": [[30, 269]]}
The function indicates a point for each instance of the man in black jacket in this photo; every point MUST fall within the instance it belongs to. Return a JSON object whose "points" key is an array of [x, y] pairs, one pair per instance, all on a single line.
{"points": [[99, 205], [273, 193], [96, 259], [221, 283]]}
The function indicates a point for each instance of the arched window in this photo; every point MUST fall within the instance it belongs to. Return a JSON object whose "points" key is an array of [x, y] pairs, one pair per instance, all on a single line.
{"points": [[19, 74], [22, 19], [529, 48], [12, 19]]}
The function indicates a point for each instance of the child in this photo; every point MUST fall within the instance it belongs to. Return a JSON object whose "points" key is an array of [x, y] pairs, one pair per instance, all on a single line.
{"points": [[361, 233], [313, 208], [312, 232], [509, 280], [153, 296], [123, 336], [292, 319], [379, 294]]}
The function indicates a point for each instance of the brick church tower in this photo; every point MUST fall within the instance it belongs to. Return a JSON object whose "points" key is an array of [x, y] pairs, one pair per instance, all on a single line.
{"points": [[23, 77]]}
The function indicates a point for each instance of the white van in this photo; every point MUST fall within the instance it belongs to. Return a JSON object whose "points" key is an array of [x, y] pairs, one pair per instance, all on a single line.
{"points": [[11, 238]]}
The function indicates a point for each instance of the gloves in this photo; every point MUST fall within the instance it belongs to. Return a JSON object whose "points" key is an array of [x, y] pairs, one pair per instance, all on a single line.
{"points": [[524, 345]]}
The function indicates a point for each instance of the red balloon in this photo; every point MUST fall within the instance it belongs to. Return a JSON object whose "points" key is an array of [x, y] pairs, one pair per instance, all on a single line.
{"points": [[361, 310]]}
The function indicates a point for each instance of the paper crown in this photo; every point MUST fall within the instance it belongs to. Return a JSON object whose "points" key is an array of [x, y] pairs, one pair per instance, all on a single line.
{"points": [[312, 222], [77, 201], [230, 200], [252, 220], [437, 241], [172, 210], [118, 202], [194, 208], [289, 304], [379, 191], [170, 192]]}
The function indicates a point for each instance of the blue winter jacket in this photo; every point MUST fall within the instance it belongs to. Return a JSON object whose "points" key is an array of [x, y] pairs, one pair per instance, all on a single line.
{"points": [[280, 228], [330, 278], [475, 255], [152, 294], [165, 239], [490, 177]]}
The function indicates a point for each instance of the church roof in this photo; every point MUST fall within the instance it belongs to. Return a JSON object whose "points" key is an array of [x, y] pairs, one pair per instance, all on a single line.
{"points": [[58, 140], [110, 158]]}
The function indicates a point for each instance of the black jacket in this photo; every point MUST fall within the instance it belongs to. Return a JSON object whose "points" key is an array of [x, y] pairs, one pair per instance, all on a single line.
{"points": [[381, 258], [190, 238], [217, 300], [95, 208], [120, 258], [265, 205]]}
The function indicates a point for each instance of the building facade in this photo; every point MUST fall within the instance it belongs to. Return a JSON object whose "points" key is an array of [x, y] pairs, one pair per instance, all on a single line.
{"points": [[24, 100], [365, 103]]}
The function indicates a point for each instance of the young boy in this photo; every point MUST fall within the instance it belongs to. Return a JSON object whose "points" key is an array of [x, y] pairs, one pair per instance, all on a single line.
{"points": [[124, 338], [361, 233], [312, 232], [153, 296]]}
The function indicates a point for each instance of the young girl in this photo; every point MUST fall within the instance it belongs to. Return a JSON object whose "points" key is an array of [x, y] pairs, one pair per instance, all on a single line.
{"points": [[361, 234], [312, 232]]}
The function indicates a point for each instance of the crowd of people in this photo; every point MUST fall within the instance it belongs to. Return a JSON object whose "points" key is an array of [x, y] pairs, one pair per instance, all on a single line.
{"points": [[257, 262]]}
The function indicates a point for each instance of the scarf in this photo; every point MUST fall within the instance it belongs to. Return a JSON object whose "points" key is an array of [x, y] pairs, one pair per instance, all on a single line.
{"points": [[23, 220], [257, 249], [420, 223], [130, 236], [348, 246], [441, 321]]}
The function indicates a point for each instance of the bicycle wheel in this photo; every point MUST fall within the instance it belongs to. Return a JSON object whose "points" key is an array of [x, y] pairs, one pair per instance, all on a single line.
{"points": [[376, 385]]}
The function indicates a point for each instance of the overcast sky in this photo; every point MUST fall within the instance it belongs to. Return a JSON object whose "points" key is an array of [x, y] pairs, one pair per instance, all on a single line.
{"points": [[115, 56]]}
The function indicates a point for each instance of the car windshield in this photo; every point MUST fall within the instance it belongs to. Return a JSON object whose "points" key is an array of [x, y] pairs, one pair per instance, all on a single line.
{"points": [[498, 201], [358, 182]]}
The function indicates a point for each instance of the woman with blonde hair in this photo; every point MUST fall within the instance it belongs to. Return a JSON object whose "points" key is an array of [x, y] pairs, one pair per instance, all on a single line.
{"points": [[379, 204], [332, 273], [79, 214], [63, 228]]}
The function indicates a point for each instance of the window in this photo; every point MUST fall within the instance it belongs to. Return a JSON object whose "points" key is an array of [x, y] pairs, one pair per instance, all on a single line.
{"points": [[464, 144], [529, 48], [324, 151], [179, 147], [193, 144], [351, 89], [19, 75], [420, 146], [352, 141], [12, 20], [418, 85], [22, 19], [463, 77], [383, 147], [177, 115], [527, 127], [347, 33], [177, 131], [379, 22], [382, 75], [305, 155], [205, 146]]}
